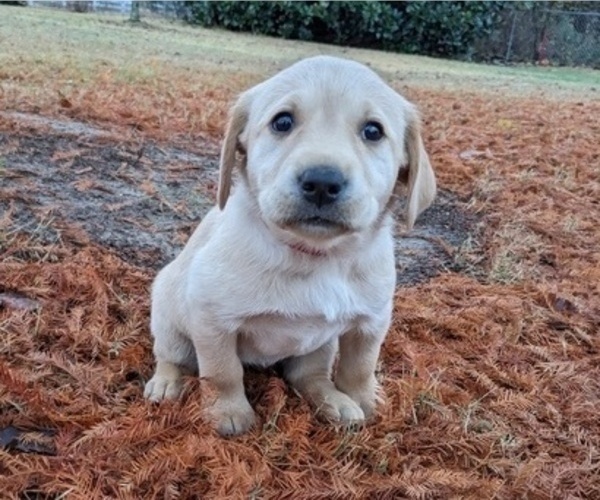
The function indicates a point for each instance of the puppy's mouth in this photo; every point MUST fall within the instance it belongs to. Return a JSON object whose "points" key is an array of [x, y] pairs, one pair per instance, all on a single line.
{"points": [[318, 222], [318, 226]]}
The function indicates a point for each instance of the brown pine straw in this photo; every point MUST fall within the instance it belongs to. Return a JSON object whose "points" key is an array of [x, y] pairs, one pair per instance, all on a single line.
{"points": [[492, 375]]}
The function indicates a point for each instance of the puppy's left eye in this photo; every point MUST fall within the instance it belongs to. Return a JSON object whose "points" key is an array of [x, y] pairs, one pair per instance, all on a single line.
{"points": [[372, 131], [283, 122]]}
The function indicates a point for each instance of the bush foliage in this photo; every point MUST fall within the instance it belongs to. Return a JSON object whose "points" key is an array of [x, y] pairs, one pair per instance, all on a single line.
{"points": [[430, 28]]}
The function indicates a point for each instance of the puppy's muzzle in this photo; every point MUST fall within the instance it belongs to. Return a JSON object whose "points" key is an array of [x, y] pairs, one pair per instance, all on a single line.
{"points": [[322, 185]]}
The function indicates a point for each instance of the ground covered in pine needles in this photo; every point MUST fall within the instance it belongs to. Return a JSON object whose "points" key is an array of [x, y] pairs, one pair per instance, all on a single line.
{"points": [[491, 369]]}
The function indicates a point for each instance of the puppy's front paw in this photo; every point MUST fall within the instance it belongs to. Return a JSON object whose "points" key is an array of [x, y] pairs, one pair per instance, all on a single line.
{"points": [[160, 387], [339, 407], [231, 417], [367, 401], [366, 396], [166, 382]]}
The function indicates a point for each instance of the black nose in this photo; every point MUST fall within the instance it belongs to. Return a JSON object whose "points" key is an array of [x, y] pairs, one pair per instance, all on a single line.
{"points": [[321, 185]]}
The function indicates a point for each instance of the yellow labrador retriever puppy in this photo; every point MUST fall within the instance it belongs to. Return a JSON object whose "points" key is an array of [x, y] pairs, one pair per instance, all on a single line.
{"points": [[296, 264]]}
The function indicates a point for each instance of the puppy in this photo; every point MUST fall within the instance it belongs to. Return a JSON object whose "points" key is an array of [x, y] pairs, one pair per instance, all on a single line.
{"points": [[296, 264]]}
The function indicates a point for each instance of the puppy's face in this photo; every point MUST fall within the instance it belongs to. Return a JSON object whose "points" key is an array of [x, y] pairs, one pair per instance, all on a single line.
{"points": [[324, 143]]}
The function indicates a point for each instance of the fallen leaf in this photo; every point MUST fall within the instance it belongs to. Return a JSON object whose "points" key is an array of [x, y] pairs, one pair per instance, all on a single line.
{"points": [[16, 301], [38, 441], [66, 155], [64, 102], [83, 185], [471, 154], [561, 304], [505, 124]]}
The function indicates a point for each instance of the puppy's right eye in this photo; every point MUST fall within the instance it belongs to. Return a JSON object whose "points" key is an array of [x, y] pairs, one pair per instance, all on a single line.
{"points": [[283, 122], [373, 131]]}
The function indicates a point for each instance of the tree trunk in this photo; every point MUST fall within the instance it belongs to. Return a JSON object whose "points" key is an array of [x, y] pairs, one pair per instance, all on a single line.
{"points": [[134, 16]]}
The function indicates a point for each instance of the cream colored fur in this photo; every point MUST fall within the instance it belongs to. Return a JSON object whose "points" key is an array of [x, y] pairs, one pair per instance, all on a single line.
{"points": [[254, 287]]}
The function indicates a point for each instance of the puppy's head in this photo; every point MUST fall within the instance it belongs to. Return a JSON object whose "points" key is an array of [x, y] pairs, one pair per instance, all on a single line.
{"points": [[325, 145]]}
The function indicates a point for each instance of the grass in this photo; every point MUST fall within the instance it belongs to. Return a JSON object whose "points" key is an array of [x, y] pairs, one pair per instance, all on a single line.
{"points": [[515, 245], [167, 77], [80, 49]]}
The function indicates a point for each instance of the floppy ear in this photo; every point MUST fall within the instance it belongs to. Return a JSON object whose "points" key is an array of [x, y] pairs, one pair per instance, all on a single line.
{"points": [[420, 178], [238, 118]]}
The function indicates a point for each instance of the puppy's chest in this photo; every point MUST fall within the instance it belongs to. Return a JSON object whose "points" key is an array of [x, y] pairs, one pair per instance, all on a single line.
{"points": [[268, 338], [296, 318], [280, 315]]}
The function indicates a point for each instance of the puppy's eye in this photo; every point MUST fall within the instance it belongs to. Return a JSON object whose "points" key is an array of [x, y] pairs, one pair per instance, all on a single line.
{"points": [[372, 131], [283, 122]]}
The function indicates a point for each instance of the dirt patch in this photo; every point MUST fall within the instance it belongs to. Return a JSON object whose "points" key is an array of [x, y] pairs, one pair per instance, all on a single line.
{"points": [[143, 200]]}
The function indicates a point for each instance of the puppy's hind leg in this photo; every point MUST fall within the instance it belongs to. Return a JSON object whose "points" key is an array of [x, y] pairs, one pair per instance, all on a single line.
{"points": [[175, 357]]}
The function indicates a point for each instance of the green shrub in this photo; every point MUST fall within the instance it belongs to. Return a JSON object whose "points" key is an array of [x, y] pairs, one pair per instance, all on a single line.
{"points": [[432, 28], [447, 28]]}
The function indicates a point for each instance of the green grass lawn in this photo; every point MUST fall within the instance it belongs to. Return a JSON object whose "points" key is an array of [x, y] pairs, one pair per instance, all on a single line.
{"points": [[38, 45]]}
